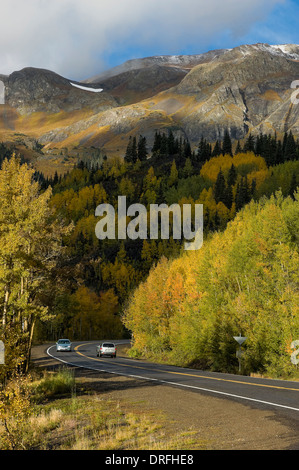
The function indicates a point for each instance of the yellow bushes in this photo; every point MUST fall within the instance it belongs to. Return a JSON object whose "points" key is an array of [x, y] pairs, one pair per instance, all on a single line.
{"points": [[245, 163], [244, 279]]}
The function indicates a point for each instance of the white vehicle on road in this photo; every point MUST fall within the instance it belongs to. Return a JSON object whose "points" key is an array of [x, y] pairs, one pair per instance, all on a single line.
{"points": [[106, 349], [63, 345]]}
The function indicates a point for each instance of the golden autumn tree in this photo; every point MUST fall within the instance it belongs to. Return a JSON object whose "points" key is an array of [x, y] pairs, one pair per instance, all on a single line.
{"points": [[30, 245], [243, 280], [95, 316]]}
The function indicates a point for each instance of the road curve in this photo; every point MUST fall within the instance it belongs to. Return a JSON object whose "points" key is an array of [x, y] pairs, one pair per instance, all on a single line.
{"points": [[272, 394]]}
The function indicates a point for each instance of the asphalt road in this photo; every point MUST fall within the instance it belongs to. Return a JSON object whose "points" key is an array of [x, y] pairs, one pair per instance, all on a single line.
{"points": [[279, 395]]}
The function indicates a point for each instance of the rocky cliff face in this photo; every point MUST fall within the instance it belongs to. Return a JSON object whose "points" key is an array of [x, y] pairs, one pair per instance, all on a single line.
{"points": [[36, 90], [246, 89], [138, 84]]}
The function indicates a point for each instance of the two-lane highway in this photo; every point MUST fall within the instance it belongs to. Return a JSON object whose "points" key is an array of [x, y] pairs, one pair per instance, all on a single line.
{"points": [[262, 393]]}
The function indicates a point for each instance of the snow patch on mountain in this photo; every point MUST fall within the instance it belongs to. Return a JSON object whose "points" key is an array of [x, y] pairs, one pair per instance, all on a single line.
{"points": [[85, 88]]}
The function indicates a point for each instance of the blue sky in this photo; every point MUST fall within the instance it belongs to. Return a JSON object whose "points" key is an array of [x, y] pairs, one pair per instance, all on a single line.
{"points": [[279, 25], [81, 38]]}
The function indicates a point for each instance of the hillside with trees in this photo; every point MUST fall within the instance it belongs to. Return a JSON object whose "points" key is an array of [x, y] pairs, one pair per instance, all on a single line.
{"points": [[243, 281], [98, 280]]}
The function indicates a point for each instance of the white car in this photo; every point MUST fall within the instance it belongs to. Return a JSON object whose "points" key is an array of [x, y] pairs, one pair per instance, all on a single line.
{"points": [[106, 349], [63, 345]]}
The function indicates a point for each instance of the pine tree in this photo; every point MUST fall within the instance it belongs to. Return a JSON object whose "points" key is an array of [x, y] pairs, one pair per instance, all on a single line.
{"points": [[249, 144], [293, 186], [227, 144], [141, 149], [171, 145], [164, 144], [232, 176], [229, 198], [290, 147], [204, 151], [238, 148], [157, 143], [128, 154], [134, 150], [243, 193], [217, 149], [220, 188], [187, 149], [253, 187], [279, 153], [284, 144]]}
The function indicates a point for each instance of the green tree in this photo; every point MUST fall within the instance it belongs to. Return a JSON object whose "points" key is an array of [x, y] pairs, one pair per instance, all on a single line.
{"points": [[173, 177], [227, 144], [293, 186], [220, 188], [141, 148], [232, 176], [217, 149], [290, 147], [30, 247], [131, 151]]}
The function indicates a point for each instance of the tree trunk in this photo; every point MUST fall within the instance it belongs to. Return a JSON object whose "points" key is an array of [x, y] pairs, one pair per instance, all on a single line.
{"points": [[29, 345], [5, 308]]}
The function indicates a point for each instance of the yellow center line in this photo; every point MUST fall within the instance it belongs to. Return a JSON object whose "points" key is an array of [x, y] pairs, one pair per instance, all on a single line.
{"points": [[189, 375]]}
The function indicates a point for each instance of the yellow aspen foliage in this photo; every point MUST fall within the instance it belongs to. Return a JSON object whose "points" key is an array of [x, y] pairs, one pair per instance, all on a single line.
{"points": [[244, 279], [245, 163]]}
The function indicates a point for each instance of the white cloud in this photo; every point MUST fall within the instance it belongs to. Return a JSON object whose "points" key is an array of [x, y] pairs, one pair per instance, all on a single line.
{"points": [[72, 37]]}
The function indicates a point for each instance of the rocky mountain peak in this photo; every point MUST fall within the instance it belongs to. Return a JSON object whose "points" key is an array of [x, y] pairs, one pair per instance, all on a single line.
{"points": [[244, 89]]}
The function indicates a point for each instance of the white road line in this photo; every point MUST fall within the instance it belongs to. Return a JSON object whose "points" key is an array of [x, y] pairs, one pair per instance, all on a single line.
{"points": [[176, 384]]}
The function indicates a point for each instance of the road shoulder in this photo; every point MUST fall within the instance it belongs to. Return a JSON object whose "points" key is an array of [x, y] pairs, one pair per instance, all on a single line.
{"points": [[221, 423]]}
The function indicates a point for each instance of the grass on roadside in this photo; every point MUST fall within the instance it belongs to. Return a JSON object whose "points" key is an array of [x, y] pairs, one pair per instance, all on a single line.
{"points": [[64, 416]]}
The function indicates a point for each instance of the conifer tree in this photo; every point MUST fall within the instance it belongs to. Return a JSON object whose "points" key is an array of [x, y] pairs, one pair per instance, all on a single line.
{"points": [[204, 151], [171, 145], [227, 144], [238, 148], [128, 154], [164, 144], [157, 143], [187, 149], [220, 188], [217, 149], [279, 153], [293, 186], [232, 176], [243, 194], [142, 149], [228, 201], [249, 144], [290, 147]]}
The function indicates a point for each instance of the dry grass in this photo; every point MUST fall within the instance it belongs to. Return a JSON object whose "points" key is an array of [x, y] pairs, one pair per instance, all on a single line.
{"points": [[68, 417]]}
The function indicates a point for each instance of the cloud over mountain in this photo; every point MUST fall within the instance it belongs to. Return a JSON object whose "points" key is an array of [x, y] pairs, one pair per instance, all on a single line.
{"points": [[75, 37]]}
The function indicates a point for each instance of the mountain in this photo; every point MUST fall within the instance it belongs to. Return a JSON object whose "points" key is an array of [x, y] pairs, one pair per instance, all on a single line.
{"points": [[33, 90], [184, 62], [136, 85], [245, 89]]}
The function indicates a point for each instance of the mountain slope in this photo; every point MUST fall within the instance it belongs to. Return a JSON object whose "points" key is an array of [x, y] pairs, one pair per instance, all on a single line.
{"points": [[184, 62], [245, 89], [138, 84], [32, 90]]}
